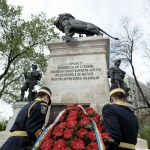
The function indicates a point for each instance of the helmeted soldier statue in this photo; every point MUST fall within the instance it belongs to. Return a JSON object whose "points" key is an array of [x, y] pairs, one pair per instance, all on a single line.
{"points": [[32, 79], [117, 76]]}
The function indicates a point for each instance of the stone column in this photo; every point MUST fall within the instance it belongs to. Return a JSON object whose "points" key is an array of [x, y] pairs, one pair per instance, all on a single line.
{"points": [[4, 135], [17, 107], [77, 71]]}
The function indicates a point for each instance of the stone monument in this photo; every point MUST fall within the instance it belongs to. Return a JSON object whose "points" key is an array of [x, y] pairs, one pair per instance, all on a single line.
{"points": [[77, 72]]}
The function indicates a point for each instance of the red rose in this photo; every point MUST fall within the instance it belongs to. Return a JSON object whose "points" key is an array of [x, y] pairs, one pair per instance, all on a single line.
{"points": [[66, 148], [60, 144], [100, 128], [95, 119], [90, 111], [77, 144], [73, 112], [62, 125], [68, 133], [83, 115], [85, 121], [92, 146], [91, 135], [71, 123], [82, 132], [72, 115], [47, 144], [105, 136], [97, 116], [77, 108], [57, 132]]}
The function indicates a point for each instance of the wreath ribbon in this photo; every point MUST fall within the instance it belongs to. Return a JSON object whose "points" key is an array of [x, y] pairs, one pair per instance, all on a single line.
{"points": [[97, 133]]}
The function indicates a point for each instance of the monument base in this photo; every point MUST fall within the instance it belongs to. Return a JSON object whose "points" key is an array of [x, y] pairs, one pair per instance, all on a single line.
{"points": [[77, 71], [4, 135], [17, 106], [141, 144]]}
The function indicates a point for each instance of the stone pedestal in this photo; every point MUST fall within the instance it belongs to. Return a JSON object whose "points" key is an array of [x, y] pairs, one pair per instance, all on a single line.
{"points": [[141, 144], [17, 107], [77, 71], [5, 134]]}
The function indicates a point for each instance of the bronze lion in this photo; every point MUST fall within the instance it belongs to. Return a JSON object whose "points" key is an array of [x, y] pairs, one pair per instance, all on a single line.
{"points": [[69, 25]]}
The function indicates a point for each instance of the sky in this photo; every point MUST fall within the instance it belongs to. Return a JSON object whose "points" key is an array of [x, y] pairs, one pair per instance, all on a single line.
{"points": [[104, 13]]}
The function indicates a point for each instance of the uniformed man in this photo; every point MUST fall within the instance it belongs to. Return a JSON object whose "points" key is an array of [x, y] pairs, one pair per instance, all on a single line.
{"points": [[120, 121], [29, 122]]}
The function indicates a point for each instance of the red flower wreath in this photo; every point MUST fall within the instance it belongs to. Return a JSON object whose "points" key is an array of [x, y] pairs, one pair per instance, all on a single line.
{"points": [[74, 130]]}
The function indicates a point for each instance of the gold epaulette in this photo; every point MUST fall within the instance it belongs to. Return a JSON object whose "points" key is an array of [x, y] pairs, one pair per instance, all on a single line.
{"points": [[19, 133], [36, 100], [30, 108], [44, 104], [127, 145]]}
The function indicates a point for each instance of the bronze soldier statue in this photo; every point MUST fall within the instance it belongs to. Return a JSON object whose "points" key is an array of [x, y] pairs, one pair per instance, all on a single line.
{"points": [[32, 79], [117, 76]]}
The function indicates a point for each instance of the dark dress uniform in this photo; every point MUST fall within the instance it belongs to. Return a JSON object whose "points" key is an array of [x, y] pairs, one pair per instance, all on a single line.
{"points": [[27, 126], [122, 125]]}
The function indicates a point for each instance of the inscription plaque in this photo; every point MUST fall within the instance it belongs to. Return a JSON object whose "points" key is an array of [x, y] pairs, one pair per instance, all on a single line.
{"points": [[75, 71]]}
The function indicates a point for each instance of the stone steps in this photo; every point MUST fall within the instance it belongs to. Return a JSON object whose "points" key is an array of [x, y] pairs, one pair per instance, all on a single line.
{"points": [[141, 144]]}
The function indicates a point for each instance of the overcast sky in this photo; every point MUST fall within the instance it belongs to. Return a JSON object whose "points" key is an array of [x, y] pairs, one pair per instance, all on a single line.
{"points": [[104, 13]]}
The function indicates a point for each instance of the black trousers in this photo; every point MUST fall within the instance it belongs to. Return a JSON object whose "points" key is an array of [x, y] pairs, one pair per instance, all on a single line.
{"points": [[16, 143]]}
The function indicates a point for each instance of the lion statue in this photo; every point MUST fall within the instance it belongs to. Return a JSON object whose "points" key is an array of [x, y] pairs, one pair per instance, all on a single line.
{"points": [[69, 25]]}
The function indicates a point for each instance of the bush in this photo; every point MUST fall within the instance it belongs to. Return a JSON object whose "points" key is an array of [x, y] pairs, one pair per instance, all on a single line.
{"points": [[145, 134], [3, 124]]}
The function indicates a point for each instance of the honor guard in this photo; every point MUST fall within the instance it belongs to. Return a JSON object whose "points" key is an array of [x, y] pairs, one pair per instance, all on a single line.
{"points": [[29, 122], [120, 121]]}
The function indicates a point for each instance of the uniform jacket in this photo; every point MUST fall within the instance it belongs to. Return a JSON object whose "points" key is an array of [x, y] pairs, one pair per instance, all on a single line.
{"points": [[30, 119], [121, 123]]}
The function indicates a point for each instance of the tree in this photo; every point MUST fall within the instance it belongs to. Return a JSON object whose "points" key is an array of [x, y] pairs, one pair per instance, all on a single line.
{"points": [[144, 126], [126, 47], [21, 44]]}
